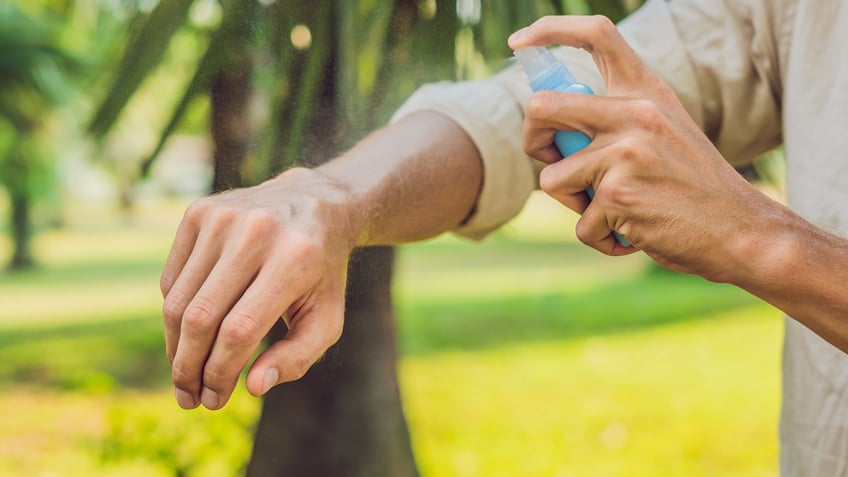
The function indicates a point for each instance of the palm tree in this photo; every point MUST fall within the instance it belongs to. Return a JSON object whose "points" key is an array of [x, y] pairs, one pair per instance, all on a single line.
{"points": [[350, 69], [32, 82]]}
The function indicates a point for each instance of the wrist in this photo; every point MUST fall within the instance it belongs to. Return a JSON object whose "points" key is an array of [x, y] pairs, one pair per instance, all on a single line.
{"points": [[768, 248], [408, 181], [332, 203], [801, 270]]}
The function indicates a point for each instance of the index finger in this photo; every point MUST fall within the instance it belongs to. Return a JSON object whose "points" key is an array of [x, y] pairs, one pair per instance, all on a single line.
{"points": [[184, 242], [622, 69]]}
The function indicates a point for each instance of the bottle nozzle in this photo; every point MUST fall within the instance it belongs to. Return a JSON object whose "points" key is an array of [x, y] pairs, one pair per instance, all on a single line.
{"points": [[537, 61]]}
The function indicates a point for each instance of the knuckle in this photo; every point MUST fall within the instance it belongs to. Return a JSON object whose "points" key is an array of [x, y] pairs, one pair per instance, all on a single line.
{"points": [[614, 190], [547, 22], [627, 148], [603, 27], [199, 314], [648, 116], [548, 180], [581, 231], [221, 217], [304, 247], [540, 105], [197, 210], [183, 379], [299, 367], [173, 307], [242, 328], [625, 228], [260, 222], [166, 282], [618, 194], [215, 378]]}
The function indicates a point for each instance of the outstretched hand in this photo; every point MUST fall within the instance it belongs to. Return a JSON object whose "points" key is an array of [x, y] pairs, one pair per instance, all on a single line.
{"points": [[658, 180], [241, 261]]}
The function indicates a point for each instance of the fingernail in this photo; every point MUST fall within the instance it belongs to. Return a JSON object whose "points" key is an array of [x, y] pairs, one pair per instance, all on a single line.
{"points": [[517, 35], [185, 399], [209, 398], [270, 379]]}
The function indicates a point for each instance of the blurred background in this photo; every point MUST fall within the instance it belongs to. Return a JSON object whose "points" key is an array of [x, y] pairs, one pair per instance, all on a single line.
{"points": [[527, 354]]}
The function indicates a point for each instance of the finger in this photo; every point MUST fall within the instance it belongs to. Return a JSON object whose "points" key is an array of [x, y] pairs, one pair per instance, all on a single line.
{"points": [[594, 230], [201, 321], [184, 242], [200, 262], [618, 63], [306, 341], [183, 245], [551, 111], [178, 256], [241, 332], [538, 141], [567, 180]]}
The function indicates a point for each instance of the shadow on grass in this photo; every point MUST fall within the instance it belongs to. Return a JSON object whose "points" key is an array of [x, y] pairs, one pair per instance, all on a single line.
{"points": [[85, 272], [658, 297], [127, 352]]}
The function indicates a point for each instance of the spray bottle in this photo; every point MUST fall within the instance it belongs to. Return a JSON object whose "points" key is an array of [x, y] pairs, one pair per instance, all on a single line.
{"points": [[546, 73]]}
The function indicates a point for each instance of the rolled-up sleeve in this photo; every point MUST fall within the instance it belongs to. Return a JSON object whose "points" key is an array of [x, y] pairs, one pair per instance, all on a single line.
{"points": [[490, 113], [677, 40]]}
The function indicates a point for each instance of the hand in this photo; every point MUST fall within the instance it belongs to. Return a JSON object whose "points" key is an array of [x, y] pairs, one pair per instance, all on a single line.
{"points": [[658, 180], [242, 260]]}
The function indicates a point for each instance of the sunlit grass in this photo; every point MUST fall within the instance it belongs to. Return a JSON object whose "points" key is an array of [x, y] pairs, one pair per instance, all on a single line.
{"points": [[125, 433], [695, 399], [528, 354], [104, 267]]}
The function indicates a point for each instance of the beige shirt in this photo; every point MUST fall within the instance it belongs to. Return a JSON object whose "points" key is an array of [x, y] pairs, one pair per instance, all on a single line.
{"points": [[753, 74]]}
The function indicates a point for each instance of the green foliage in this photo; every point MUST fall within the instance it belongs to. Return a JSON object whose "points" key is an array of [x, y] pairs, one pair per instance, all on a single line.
{"points": [[32, 69], [143, 52], [195, 444], [499, 18], [26, 166], [32, 82], [375, 53], [771, 169], [218, 55]]}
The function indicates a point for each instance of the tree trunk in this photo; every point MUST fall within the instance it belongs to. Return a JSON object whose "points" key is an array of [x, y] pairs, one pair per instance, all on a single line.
{"points": [[344, 418], [231, 132], [21, 232]]}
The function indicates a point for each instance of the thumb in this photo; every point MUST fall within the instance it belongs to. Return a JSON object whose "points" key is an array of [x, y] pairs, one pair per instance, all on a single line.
{"points": [[289, 359], [622, 69]]}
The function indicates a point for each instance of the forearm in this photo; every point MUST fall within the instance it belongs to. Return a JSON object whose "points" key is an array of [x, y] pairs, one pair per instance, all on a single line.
{"points": [[800, 269], [408, 181]]}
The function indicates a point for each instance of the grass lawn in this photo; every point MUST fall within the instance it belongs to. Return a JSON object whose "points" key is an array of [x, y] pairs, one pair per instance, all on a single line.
{"points": [[527, 354]]}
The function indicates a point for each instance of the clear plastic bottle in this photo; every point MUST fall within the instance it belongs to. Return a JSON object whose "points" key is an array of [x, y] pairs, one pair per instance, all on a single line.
{"points": [[545, 72]]}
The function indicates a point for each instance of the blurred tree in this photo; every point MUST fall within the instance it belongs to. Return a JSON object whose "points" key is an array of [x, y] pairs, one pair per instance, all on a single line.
{"points": [[325, 73], [32, 83]]}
